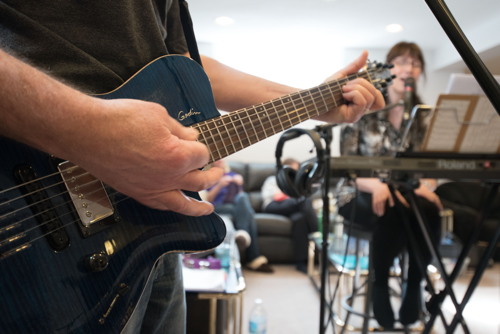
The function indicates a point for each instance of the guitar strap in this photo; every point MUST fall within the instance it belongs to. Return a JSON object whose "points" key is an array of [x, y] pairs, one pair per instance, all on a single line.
{"points": [[187, 26]]}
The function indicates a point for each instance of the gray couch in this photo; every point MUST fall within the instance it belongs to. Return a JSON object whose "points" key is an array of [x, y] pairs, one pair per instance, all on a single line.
{"points": [[275, 231]]}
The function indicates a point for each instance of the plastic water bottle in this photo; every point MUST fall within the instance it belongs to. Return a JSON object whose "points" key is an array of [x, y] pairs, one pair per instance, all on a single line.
{"points": [[258, 318]]}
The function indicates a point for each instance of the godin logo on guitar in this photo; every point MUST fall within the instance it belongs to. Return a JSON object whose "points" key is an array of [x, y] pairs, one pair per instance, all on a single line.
{"points": [[182, 115], [456, 164]]}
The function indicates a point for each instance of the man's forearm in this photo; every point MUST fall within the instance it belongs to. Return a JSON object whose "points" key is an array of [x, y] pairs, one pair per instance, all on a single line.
{"points": [[234, 89], [33, 105]]}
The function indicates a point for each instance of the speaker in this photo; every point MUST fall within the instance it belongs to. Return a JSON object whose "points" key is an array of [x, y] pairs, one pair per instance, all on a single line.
{"points": [[306, 180]]}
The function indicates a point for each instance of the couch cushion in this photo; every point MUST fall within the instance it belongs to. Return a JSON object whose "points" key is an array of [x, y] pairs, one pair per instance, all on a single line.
{"points": [[238, 167], [272, 224], [256, 200], [257, 173]]}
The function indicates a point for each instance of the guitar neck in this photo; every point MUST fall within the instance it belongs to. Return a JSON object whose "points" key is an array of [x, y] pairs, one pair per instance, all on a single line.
{"points": [[232, 132]]}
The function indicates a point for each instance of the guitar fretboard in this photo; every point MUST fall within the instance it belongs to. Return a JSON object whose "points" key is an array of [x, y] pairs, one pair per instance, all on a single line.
{"points": [[232, 132]]}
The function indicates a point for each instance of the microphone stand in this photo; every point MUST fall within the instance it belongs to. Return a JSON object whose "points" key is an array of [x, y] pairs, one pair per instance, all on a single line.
{"points": [[325, 132], [410, 122]]}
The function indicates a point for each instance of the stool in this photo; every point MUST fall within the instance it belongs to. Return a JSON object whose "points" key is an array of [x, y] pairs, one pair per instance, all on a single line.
{"points": [[352, 268], [358, 301]]}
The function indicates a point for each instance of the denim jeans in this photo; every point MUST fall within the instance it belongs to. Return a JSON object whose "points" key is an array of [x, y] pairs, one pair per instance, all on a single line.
{"points": [[162, 307], [243, 216]]}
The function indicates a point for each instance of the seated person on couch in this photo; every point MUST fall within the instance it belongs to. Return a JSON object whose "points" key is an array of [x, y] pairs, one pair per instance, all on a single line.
{"points": [[299, 210], [228, 197]]}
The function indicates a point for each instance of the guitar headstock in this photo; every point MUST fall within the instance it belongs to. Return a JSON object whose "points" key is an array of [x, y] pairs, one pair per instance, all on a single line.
{"points": [[380, 75]]}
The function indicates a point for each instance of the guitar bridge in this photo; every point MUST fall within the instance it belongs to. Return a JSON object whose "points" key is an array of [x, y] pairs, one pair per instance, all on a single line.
{"points": [[87, 193]]}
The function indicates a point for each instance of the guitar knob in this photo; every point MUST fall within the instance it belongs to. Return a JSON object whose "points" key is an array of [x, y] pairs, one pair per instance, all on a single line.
{"points": [[97, 262]]}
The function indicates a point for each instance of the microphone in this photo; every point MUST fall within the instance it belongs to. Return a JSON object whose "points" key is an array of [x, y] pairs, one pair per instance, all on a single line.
{"points": [[409, 97]]}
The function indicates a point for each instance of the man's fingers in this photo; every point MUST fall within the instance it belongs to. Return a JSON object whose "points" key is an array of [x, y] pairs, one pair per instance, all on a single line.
{"points": [[181, 131], [353, 67], [198, 180], [177, 201]]}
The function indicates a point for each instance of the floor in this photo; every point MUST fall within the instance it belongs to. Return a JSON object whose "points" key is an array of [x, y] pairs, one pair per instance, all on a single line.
{"points": [[292, 302]]}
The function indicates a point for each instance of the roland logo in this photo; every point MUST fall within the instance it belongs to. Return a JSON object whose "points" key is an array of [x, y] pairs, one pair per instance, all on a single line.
{"points": [[456, 164], [182, 115]]}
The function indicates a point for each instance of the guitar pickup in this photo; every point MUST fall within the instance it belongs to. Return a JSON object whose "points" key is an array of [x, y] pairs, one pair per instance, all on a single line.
{"points": [[87, 193]]}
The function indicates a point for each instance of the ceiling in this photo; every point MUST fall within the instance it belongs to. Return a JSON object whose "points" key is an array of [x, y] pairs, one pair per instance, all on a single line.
{"points": [[352, 24]]}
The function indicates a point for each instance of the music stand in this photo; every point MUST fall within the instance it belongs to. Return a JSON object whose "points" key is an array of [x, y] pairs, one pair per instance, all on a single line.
{"points": [[433, 305]]}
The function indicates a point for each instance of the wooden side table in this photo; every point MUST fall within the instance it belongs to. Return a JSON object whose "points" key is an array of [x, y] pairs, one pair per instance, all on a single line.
{"points": [[231, 295]]}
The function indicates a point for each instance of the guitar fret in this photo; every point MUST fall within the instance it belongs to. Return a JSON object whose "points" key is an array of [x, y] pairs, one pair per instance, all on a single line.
{"points": [[272, 115], [313, 99], [203, 130], [234, 117], [338, 94], [246, 139], [331, 95], [274, 118], [231, 134], [257, 124], [305, 98], [287, 104], [223, 142], [216, 139], [253, 137], [267, 125], [299, 105], [259, 113], [321, 99]]}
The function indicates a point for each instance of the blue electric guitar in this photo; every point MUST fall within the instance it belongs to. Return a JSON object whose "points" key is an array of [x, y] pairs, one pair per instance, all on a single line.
{"points": [[75, 254]]}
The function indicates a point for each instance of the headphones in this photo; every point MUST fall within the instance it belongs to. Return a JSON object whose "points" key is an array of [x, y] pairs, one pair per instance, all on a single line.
{"points": [[305, 180]]}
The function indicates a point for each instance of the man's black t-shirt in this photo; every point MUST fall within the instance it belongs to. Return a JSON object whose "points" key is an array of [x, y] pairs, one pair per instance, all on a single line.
{"points": [[93, 45]]}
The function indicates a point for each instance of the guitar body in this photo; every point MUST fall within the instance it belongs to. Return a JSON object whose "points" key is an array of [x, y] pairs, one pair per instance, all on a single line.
{"points": [[58, 275]]}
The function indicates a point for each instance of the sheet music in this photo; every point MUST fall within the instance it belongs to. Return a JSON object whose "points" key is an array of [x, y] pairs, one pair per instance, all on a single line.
{"points": [[463, 124], [483, 132]]}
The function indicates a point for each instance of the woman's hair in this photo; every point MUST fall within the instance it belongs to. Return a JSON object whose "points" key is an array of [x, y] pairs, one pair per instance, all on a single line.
{"points": [[406, 48], [413, 50]]}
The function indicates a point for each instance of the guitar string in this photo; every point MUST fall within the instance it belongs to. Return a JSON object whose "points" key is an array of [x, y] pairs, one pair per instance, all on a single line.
{"points": [[263, 128], [39, 191], [23, 246], [19, 223], [24, 233], [60, 205], [336, 94], [245, 116], [48, 199], [32, 193], [305, 101], [317, 90], [216, 149]]}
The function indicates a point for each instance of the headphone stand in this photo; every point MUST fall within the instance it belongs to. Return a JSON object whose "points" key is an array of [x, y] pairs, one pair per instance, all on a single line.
{"points": [[325, 132]]}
